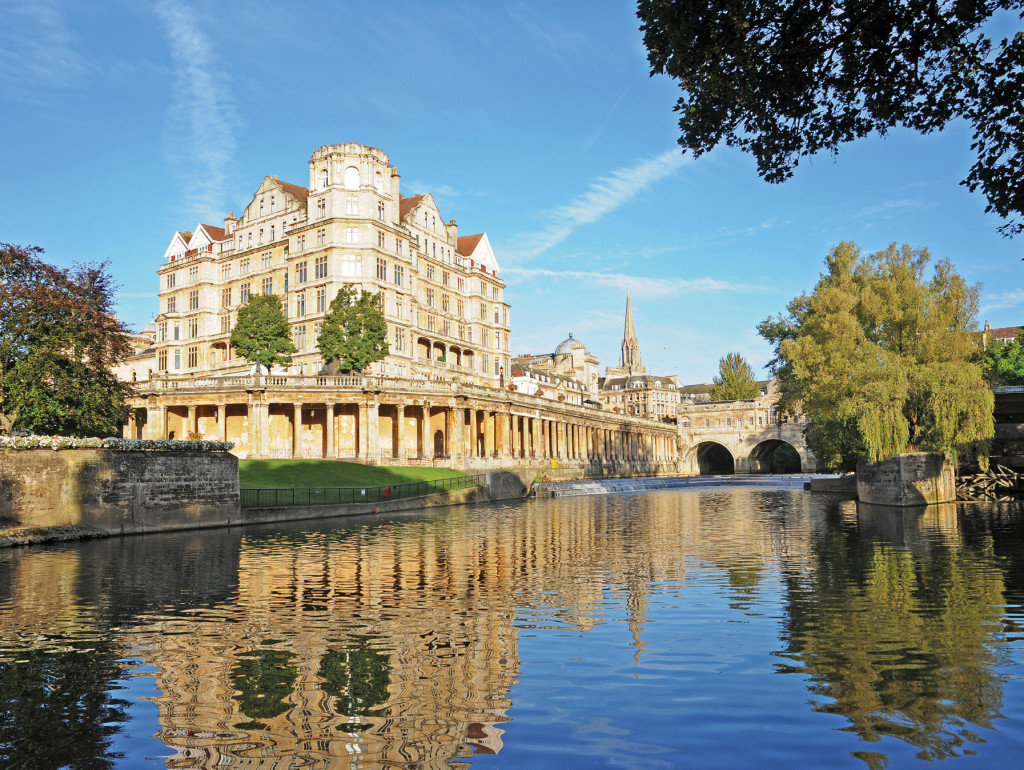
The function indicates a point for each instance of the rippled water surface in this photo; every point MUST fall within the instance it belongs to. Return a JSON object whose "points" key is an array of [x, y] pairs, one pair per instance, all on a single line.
{"points": [[708, 629]]}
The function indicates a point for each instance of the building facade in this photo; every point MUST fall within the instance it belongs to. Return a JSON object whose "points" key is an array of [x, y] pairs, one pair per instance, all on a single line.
{"points": [[441, 292]]}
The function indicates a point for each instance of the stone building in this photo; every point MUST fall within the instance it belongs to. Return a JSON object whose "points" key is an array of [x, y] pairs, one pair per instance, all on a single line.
{"points": [[441, 292], [628, 388], [569, 374]]}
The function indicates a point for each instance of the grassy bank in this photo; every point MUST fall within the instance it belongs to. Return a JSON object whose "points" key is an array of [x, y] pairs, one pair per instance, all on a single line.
{"points": [[297, 474]]}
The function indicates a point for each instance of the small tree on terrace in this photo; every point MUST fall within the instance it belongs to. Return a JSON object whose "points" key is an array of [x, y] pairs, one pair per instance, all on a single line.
{"points": [[261, 334], [735, 379], [354, 332]]}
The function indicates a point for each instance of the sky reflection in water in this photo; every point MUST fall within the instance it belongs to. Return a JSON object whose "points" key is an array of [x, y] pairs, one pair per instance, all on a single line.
{"points": [[708, 629]]}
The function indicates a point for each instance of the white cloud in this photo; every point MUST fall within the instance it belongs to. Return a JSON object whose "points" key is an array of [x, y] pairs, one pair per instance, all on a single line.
{"points": [[202, 121], [1006, 299], [637, 286], [37, 50], [603, 197]]}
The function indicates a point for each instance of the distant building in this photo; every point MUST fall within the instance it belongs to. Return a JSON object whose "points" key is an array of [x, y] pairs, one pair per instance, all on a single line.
{"points": [[628, 388], [1002, 334], [569, 374]]}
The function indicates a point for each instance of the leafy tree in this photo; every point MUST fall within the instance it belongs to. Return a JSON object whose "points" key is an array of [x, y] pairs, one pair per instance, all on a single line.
{"points": [[735, 379], [59, 339], [1004, 362], [261, 334], [354, 331], [883, 359], [782, 79]]}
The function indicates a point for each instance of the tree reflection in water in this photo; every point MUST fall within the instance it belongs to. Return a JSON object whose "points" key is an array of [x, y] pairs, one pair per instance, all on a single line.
{"points": [[897, 627]]}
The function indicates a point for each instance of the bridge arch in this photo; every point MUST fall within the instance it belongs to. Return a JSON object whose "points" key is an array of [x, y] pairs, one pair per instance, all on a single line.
{"points": [[712, 459], [775, 456]]}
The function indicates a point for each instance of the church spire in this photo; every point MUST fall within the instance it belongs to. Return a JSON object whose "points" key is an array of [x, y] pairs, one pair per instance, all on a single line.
{"points": [[630, 344]]}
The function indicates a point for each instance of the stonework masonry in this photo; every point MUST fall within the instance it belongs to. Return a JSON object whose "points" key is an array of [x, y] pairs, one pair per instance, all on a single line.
{"points": [[118, 492]]}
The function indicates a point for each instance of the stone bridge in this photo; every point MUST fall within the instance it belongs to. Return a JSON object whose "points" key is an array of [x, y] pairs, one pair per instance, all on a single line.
{"points": [[743, 436]]}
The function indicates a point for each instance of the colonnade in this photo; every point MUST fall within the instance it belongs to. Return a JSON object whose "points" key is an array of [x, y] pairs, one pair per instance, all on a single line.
{"points": [[384, 428]]}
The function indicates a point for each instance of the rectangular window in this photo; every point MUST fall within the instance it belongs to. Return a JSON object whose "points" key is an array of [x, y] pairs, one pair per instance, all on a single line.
{"points": [[447, 328], [399, 306], [267, 286], [321, 237], [445, 302], [320, 267], [193, 300], [351, 266], [193, 357], [430, 272], [317, 327], [265, 260], [193, 328], [321, 208], [300, 304], [243, 293], [225, 323], [321, 300], [300, 242], [300, 337], [243, 266], [193, 274], [460, 308], [163, 331], [431, 323], [399, 275], [225, 297], [483, 312], [177, 358], [351, 235], [430, 297], [161, 361], [460, 284], [728, 422], [225, 272], [446, 277], [172, 304], [177, 331], [382, 269], [399, 339], [301, 272], [352, 205], [172, 278]]}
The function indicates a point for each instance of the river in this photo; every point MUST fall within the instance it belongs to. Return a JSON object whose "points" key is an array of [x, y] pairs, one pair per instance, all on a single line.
{"points": [[716, 628]]}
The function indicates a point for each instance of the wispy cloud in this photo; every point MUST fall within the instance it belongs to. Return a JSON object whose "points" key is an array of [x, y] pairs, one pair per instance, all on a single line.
{"points": [[37, 49], [603, 197], [596, 133], [638, 286], [889, 208], [1002, 300], [201, 136]]}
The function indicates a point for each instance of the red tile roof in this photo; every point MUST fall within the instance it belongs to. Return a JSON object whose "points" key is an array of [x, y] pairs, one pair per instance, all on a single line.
{"points": [[294, 190], [186, 234], [1004, 332], [467, 244], [405, 205], [216, 233]]}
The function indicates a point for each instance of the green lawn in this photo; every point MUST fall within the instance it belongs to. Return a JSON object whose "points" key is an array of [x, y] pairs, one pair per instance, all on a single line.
{"points": [[296, 474]]}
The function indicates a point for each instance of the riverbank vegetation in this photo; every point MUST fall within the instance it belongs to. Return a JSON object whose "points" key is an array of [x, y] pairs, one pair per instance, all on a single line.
{"points": [[299, 474]]}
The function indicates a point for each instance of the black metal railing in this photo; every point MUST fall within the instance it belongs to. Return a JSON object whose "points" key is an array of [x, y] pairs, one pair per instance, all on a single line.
{"points": [[276, 498]]}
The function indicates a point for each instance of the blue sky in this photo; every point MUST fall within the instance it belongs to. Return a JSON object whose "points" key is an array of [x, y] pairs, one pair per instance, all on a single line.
{"points": [[533, 121]]}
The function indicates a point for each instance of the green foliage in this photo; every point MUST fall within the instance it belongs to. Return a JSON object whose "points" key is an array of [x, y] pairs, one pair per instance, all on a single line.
{"points": [[261, 334], [354, 331], [883, 359], [59, 339], [1003, 362], [782, 79], [264, 680], [735, 380], [357, 676]]}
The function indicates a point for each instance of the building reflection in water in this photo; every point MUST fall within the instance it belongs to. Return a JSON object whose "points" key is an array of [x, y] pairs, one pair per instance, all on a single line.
{"points": [[395, 643]]}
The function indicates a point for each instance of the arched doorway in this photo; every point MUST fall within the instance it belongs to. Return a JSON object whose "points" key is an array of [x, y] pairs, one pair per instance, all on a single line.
{"points": [[438, 443], [714, 459], [775, 456]]}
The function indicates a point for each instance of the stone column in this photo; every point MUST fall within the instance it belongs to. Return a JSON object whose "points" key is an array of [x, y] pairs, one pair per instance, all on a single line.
{"points": [[297, 430], [373, 431], [222, 422], [191, 423], [362, 431], [329, 427], [474, 430], [515, 442], [399, 432], [427, 447]]}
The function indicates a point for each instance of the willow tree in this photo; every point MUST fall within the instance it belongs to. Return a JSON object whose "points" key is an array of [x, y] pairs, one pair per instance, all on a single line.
{"points": [[883, 357]]}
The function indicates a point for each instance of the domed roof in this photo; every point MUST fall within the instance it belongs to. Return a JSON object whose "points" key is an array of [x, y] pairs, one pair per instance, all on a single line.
{"points": [[149, 328], [568, 346]]}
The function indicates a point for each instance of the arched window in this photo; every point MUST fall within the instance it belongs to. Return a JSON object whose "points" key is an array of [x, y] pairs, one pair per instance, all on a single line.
{"points": [[351, 178], [323, 179], [378, 182]]}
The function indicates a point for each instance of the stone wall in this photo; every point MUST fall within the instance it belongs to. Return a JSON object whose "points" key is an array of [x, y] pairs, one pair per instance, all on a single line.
{"points": [[118, 492], [914, 478]]}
